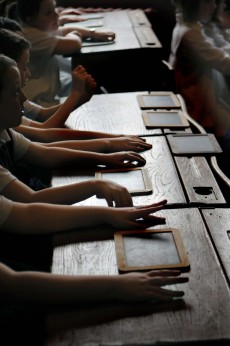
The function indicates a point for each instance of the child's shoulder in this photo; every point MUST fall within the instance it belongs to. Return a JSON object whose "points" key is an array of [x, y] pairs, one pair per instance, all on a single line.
{"points": [[38, 37]]}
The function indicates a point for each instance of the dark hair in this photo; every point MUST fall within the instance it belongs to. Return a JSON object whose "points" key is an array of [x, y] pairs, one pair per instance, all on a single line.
{"points": [[27, 8], [12, 44], [10, 24], [5, 64], [189, 8]]}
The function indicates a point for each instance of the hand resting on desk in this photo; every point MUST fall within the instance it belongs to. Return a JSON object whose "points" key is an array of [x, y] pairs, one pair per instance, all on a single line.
{"points": [[49, 289], [121, 160]]}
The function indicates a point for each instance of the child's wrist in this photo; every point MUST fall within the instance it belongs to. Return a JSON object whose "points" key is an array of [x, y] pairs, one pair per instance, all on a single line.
{"points": [[77, 34]]}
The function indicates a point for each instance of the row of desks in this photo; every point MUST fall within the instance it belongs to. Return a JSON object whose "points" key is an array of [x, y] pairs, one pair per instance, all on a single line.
{"points": [[124, 64], [203, 314]]}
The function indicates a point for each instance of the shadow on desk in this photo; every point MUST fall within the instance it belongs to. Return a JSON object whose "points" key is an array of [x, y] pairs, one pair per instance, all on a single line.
{"points": [[94, 314], [102, 232], [98, 233]]}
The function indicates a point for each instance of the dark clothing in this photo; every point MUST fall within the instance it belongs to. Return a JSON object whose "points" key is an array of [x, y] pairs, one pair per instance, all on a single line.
{"points": [[22, 324], [33, 176]]}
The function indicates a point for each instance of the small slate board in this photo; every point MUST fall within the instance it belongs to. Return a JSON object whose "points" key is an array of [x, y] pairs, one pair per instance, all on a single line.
{"points": [[137, 181], [150, 249], [195, 144]]}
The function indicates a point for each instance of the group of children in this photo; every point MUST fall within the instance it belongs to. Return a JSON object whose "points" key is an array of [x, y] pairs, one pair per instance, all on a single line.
{"points": [[30, 210], [201, 64]]}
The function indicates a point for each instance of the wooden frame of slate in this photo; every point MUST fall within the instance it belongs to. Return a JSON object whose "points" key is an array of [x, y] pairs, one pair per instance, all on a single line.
{"points": [[137, 180], [150, 249], [158, 100], [164, 119], [194, 144]]}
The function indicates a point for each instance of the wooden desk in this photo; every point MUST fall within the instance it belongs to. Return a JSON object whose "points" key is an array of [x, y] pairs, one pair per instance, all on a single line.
{"points": [[135, 41], [120, 113], [207, 296], [116, 18], [203, 314]]}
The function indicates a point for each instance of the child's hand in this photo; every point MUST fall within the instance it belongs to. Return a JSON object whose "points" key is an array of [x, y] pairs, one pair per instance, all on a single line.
{"points": [[103, 36], [83, 83], [139, 287], [113, 193], [122, 160], [135, 217], [127, 143]]}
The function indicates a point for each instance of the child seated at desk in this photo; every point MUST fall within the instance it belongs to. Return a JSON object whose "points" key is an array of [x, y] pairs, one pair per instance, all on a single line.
{"points": [[31, 153], [26, 293], [49, 40], [17, 48], [33, 110], [194, 58]]}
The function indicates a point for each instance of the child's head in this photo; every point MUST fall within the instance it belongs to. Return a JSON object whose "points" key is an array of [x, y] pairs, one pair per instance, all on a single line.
{"points": [[196, 10], [28, 8], [10, 24], [11, 95], [5, 64], [16, 47], [38, 13]]}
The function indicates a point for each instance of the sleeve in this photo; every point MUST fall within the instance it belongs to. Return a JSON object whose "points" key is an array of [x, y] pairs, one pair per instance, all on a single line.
{"points": [[215, 57], [21, 144], [41, 41], [26, 121], [31, 109], [5, 209], [5, 178]]}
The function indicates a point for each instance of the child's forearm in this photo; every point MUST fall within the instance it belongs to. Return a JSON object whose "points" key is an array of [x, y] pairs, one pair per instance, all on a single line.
{"points": [[59, 118], [53, 218], [43, 288]]}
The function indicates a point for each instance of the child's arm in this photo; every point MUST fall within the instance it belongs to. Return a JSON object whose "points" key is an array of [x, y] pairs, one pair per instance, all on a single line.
{"points": [[83, 86], [66, 138], [43, 218], [35, 111], [88, 33], [44, 288], [113, 193], [70, 38], [104, 145], [47, 135], [54, 157]]}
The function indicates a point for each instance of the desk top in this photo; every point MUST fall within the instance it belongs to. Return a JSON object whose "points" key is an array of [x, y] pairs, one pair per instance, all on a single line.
{"points": [[132, 28], [112, 113], [203, 313], [135, 40], [114, 19]]}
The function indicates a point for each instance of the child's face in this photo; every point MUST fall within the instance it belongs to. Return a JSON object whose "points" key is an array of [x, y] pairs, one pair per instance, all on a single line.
{"points": [[11, 100], [23, 66], [47, 18], [206, 10]]}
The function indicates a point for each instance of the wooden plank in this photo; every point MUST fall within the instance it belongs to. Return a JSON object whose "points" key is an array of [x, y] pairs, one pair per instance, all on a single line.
{"points": [[114, 19], [161, 170], [198, 180], [113, 113], [218, 222], [207, 296]]}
